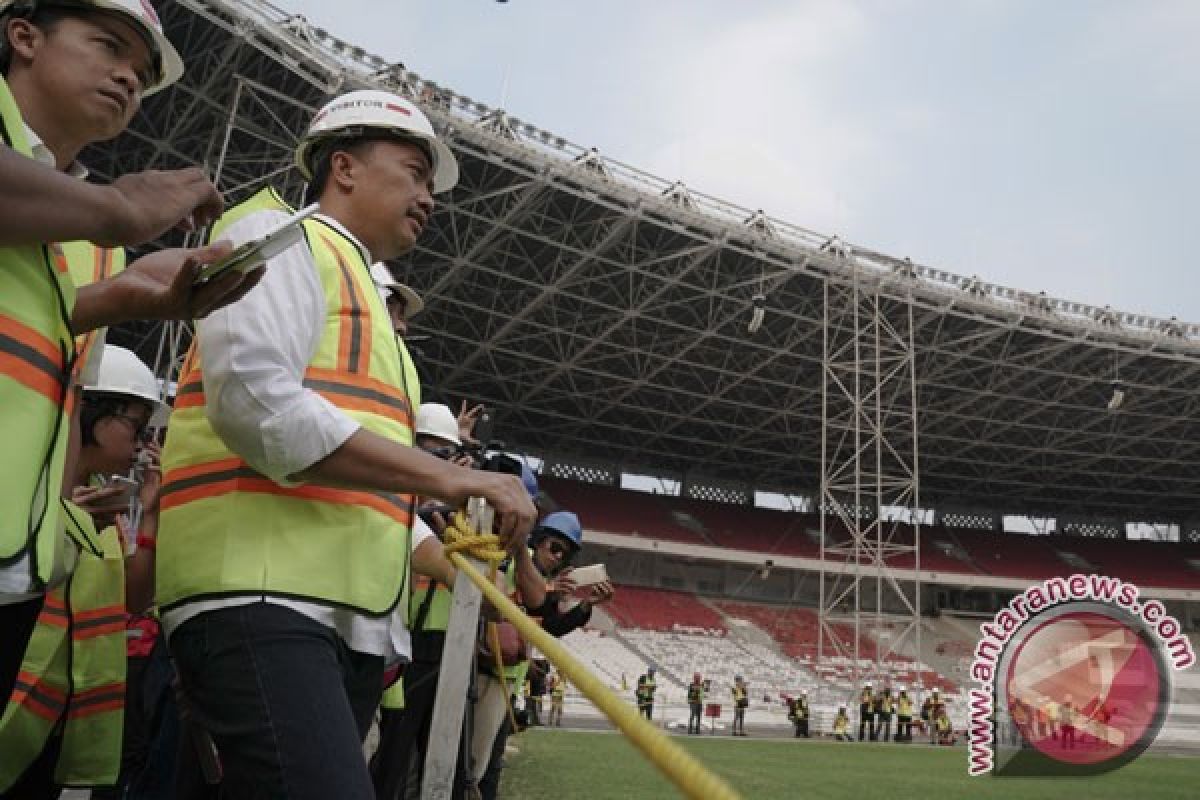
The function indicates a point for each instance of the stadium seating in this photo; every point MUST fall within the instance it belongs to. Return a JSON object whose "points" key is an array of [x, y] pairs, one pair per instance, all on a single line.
{"points": [[616, 511], [943, 550], [609, 658], [663, 610]]}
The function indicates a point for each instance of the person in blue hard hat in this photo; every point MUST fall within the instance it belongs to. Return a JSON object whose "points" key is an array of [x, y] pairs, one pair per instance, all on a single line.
{"points": [[555, 542]]}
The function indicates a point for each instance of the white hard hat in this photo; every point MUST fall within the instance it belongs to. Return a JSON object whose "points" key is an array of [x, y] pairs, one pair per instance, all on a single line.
{"points": [[383, 111], [435, 419], [386, 284], [121, 372], [143, 17]]}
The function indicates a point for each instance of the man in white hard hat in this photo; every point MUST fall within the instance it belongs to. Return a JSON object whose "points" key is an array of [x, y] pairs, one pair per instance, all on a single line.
{"points": [[290, 471], [73, 74], [402, 302], [72, 93], [64, 723]]}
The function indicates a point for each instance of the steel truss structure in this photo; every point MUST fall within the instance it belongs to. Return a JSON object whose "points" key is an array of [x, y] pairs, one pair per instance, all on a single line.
{"points": [[603, 311], [870, 486]]}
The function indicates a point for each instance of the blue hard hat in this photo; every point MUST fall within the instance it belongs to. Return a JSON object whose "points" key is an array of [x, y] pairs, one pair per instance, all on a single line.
{"points": [[563, 524], [529, 478]]}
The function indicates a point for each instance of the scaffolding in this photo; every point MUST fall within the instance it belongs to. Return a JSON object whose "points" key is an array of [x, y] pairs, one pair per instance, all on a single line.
{"points": [[870, 585]]}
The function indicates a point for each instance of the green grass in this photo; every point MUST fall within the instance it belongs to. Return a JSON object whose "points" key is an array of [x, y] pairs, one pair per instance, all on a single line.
{"points": [[561, 765]]}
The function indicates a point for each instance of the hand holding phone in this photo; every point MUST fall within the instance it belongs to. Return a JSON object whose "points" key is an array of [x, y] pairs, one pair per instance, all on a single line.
{"points": [[589, 575], [251, 254]]}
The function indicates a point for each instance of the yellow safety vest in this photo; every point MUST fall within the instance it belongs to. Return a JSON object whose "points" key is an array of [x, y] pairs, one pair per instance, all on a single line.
{"points": [[89, 264], [227, 530], [393, 696], [37, 352], [73, 672], [905, 707], [841, 724]]}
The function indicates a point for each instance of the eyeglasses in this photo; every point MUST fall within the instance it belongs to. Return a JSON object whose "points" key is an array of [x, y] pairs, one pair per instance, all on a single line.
{"points": [[140, 426]]}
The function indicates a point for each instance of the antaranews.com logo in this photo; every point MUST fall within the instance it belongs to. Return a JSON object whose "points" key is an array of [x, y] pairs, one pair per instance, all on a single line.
{"points": [[1075, 679]]}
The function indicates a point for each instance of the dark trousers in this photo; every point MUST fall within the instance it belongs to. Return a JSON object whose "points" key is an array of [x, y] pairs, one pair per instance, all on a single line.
{"points": [[17, 621], [903, 729], [866, 724], [286, 702], [647, 710], [883, 727], [399, 762], [16, 626], [694, 718]]}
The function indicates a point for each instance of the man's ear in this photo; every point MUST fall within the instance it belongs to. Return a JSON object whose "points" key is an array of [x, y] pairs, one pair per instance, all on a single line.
{"points": [[22, 38], [343, 170]]}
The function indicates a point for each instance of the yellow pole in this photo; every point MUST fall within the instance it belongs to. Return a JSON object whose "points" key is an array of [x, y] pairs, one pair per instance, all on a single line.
{"points": [[692, 778]]}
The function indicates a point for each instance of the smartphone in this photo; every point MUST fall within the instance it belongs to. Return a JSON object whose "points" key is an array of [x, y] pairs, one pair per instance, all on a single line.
{"points": [[129, 485], [589, 575], [250, 254]]}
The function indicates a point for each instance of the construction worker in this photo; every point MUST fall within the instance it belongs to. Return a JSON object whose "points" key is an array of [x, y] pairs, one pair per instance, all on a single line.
{"points": [[63, 724], [841, 726], [945, 732], [904, 714], [558, 690], [407, 707], [647, 685], [799, 714], [401, 301], [741, 701], [695, 699], [866, 712], [73, 74], [883, 716], [290, 470], [554, 544]]}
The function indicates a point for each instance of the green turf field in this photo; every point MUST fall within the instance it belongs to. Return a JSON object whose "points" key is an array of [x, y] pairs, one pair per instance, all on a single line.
{"points": [[562, 765]]}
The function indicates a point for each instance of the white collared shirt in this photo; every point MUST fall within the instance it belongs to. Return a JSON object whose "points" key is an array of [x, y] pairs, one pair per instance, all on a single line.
{"points": [[255, 353]]}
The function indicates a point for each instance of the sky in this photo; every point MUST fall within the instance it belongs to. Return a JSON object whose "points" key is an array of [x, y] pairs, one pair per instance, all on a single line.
{"points": [[1049, 146]]}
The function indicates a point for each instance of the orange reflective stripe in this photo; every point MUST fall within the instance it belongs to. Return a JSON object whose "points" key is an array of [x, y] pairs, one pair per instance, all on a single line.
{"points": [[58, 257], [54, 611], [354, 338], [31, 358], [190, 394], [202, 481], [98, 622], [38, 697], [110, 697], [360, 393]]}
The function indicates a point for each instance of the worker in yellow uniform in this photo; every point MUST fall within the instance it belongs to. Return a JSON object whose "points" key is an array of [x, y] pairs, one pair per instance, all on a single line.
{"points": [[63, 723], [741, 701], [841, 726], [289, 470], [904, 715], [73, 73], [695, 701], [799, 714], [866, 712]]}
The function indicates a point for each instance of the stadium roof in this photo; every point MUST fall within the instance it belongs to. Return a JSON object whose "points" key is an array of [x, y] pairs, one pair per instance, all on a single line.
{"points": [[603, 312]]}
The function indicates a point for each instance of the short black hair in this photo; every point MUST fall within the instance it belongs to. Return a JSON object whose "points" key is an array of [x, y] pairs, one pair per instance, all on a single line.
{"points": [[42, 15], [322, 156], [95, 407]]}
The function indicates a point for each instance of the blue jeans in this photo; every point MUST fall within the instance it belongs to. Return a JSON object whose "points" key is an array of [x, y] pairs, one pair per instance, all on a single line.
{"points": [[286, 703]]}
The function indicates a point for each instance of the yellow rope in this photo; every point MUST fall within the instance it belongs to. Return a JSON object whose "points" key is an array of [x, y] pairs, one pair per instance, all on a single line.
{"points": [[692, 778]]}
